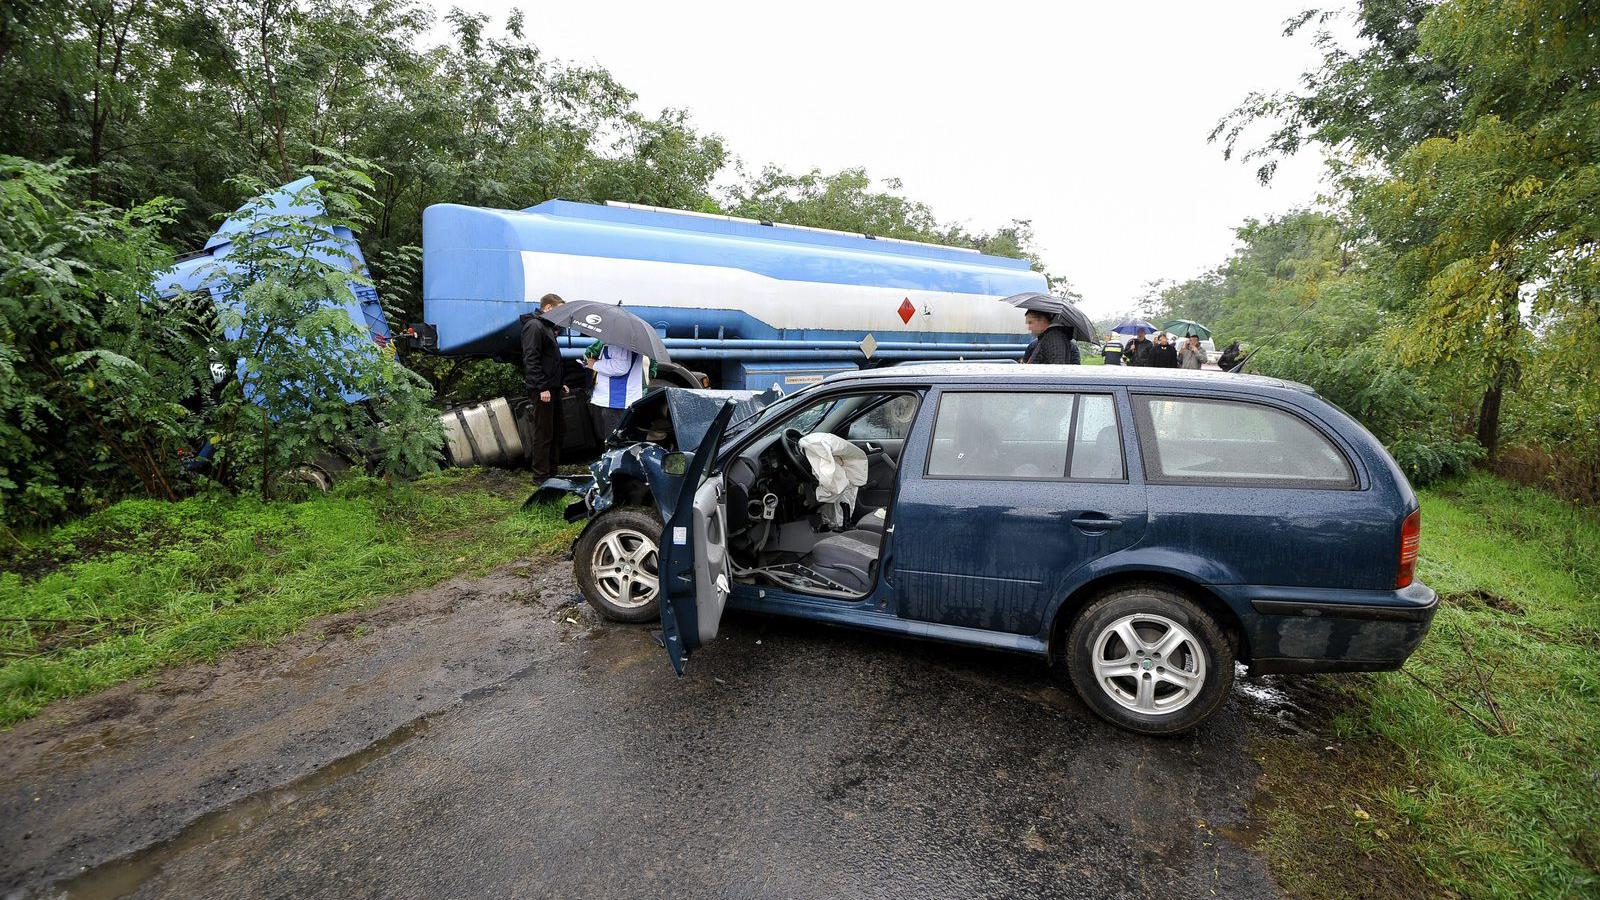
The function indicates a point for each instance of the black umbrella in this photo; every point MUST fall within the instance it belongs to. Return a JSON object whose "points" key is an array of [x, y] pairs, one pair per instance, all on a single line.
{"points": [[612, 324], [1065, 313]]}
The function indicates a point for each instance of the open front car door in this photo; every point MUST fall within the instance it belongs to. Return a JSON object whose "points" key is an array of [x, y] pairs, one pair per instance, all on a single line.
{"points": [[695, 572]]}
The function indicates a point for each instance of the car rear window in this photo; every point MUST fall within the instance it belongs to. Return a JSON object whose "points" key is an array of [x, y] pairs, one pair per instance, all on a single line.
{"points": [[1211, 441], [1026, 435]]}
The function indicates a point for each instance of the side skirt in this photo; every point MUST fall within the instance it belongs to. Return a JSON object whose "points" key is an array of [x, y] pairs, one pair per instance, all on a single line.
{"points": [[862, 615]]}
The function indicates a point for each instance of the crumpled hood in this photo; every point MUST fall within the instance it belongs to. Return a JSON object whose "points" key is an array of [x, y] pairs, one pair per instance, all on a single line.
{"points": [[677, 418], [663, 420]]}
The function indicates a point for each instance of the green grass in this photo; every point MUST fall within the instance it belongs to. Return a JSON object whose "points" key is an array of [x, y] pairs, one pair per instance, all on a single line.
{"points": [[145, 584], [1415, 789]]}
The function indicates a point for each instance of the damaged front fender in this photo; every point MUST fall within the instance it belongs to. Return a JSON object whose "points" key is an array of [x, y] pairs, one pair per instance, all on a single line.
{"points": [[661, 422]]}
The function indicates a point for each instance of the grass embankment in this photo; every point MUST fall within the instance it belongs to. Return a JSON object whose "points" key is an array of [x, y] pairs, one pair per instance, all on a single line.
{"points": [[1496, 797], [144, 584]]}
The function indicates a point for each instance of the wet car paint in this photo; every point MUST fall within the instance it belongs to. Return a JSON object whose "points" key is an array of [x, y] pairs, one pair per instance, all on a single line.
{"points": [[1299, 574]]}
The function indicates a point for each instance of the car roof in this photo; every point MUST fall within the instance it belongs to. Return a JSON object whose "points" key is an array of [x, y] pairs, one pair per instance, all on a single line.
{"points": [[1012, 373]]}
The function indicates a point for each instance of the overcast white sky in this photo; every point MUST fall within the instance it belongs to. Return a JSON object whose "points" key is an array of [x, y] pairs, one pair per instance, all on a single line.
{"points": [[1088, 119]]}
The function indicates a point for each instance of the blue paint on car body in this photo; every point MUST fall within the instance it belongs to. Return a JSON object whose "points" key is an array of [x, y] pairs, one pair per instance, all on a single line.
{"points": [[1303, 574]]}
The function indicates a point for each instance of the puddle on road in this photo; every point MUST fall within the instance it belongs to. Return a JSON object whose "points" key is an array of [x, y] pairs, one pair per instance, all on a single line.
{"points": [[1264, 697], [125, 875], [617, 649]]}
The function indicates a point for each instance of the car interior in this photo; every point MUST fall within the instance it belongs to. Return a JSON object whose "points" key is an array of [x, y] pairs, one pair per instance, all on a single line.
{"points": [[779, 532]]}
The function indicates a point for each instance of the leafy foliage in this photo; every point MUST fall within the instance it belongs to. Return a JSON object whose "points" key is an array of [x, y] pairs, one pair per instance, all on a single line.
{"points": [[208, 104], [849, 200], [93, 378], [300, 363], [1464, 141]]}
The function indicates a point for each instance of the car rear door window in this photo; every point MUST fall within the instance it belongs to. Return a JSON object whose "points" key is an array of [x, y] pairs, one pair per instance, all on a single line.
{"points": [[1024, 435], [1212, 441], [1096, 443]]}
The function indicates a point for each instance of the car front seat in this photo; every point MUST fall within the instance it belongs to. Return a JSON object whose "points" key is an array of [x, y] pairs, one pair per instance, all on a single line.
{"points": [[848, 558]]}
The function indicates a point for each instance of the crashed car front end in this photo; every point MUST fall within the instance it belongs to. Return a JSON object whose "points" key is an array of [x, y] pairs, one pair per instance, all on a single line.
{"points": [[634, 467]]}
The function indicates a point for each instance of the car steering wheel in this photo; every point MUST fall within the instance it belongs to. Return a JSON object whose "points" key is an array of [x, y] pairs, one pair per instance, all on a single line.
{"points": [[789, 450]]}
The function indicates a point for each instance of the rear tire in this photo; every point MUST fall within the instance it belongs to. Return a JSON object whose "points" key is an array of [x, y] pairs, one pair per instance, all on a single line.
{"points": [[1148, 659], [617, 564]]}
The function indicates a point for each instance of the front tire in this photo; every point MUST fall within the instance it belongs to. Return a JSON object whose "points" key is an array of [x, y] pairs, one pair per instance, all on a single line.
{"points": [[1149, 659], [617, 564]]}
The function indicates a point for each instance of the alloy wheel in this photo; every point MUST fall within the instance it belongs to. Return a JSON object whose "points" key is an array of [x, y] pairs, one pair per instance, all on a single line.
{"points": [[1149, 664], [625, 568]]}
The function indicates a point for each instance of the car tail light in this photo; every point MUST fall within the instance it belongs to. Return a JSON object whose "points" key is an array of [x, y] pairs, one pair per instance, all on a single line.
{"points": [[1410, 539]]}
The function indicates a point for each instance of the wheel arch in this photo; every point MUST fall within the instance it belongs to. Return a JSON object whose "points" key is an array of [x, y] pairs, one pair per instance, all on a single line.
{"points": [[1219, 610]]}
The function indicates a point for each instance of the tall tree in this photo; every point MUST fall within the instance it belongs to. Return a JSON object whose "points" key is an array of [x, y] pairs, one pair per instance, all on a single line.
{"points": [[1465, 135]]}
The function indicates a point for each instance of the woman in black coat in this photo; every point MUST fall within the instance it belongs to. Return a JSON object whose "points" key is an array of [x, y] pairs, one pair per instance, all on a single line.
{"points": [[1165, 354]]}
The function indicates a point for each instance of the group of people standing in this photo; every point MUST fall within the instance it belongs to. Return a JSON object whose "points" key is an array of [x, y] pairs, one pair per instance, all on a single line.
{"points": [[1161, 353], [1053, 345], [619, 380]]}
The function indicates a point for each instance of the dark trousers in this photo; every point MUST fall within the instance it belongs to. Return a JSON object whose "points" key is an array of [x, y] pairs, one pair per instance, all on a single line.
{"points": [[548, 427], [605, 420]]}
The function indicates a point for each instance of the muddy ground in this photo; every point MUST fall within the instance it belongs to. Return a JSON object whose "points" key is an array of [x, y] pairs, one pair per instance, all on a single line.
{"points": [[492, 736]]}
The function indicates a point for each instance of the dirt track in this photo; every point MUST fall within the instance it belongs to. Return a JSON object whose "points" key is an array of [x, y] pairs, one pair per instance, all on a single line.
{"points": [[490, 736]]}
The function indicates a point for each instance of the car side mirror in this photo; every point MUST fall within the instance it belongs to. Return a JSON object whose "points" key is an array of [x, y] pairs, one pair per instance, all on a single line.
{"points": [[676, 462]]}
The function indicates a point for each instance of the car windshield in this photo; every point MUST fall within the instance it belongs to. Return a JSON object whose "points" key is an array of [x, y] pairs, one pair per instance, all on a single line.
{"points": [[764, 414]]}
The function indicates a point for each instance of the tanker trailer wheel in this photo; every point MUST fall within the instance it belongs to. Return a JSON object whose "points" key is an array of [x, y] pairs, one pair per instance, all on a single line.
{"points": [[617, 564], [673, 375]]}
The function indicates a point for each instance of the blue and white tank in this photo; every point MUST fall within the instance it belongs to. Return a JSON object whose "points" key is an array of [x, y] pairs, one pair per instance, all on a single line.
{"points": [[717, 287]]}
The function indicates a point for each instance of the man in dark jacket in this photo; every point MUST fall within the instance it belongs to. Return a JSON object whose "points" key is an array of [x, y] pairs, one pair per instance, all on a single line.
{"points": [[1052, 344], [542, 374], [1138, 352]]}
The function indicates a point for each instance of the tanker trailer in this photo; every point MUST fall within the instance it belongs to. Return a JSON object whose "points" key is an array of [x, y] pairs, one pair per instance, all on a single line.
{"points": [[750, 304], [742, 304]]}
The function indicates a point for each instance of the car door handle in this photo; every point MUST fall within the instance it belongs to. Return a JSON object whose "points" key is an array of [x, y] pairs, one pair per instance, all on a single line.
{"points": [[1097, 523]]}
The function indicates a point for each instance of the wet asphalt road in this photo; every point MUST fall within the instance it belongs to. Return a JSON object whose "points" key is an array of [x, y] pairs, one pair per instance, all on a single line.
{"points": [[793, 760]]}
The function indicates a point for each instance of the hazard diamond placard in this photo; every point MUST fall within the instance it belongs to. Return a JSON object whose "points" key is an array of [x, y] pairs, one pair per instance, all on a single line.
{"points": [[907, 310]]}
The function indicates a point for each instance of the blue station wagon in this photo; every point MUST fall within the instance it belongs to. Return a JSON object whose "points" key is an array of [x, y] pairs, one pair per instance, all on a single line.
{"points": [[1141, 529]]}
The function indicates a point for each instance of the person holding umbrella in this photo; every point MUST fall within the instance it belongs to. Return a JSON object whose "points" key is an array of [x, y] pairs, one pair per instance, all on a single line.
{"points": [[1053, 344], [629, 343], [1139, 351], [541, 373], [1055, 324]]}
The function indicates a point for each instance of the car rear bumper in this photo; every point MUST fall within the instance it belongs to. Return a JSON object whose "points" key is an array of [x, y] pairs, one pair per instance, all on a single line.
{"points": [[1310, 630]]}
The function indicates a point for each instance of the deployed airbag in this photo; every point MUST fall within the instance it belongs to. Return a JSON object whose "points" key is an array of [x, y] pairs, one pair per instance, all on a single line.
{"points": [[840, 468]]}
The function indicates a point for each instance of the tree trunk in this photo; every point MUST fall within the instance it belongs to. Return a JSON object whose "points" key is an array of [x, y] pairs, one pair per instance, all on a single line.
{"points": [[1489, 412], [1506, 342], [266, 456]]}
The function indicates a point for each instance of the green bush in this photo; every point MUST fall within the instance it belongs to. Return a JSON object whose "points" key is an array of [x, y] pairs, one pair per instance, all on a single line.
{"points": [[105, 388], [1398, 405], [94, 374], [296, 355]]}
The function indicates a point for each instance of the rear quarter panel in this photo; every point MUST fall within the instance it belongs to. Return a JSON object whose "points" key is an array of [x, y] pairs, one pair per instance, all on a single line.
{"points": [[1283, 535]]}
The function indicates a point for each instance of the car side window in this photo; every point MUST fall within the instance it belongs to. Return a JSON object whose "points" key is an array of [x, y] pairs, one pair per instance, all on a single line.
{"points": [[1210, 441], [889, 421], [1096, 442], [1024, 435]]}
